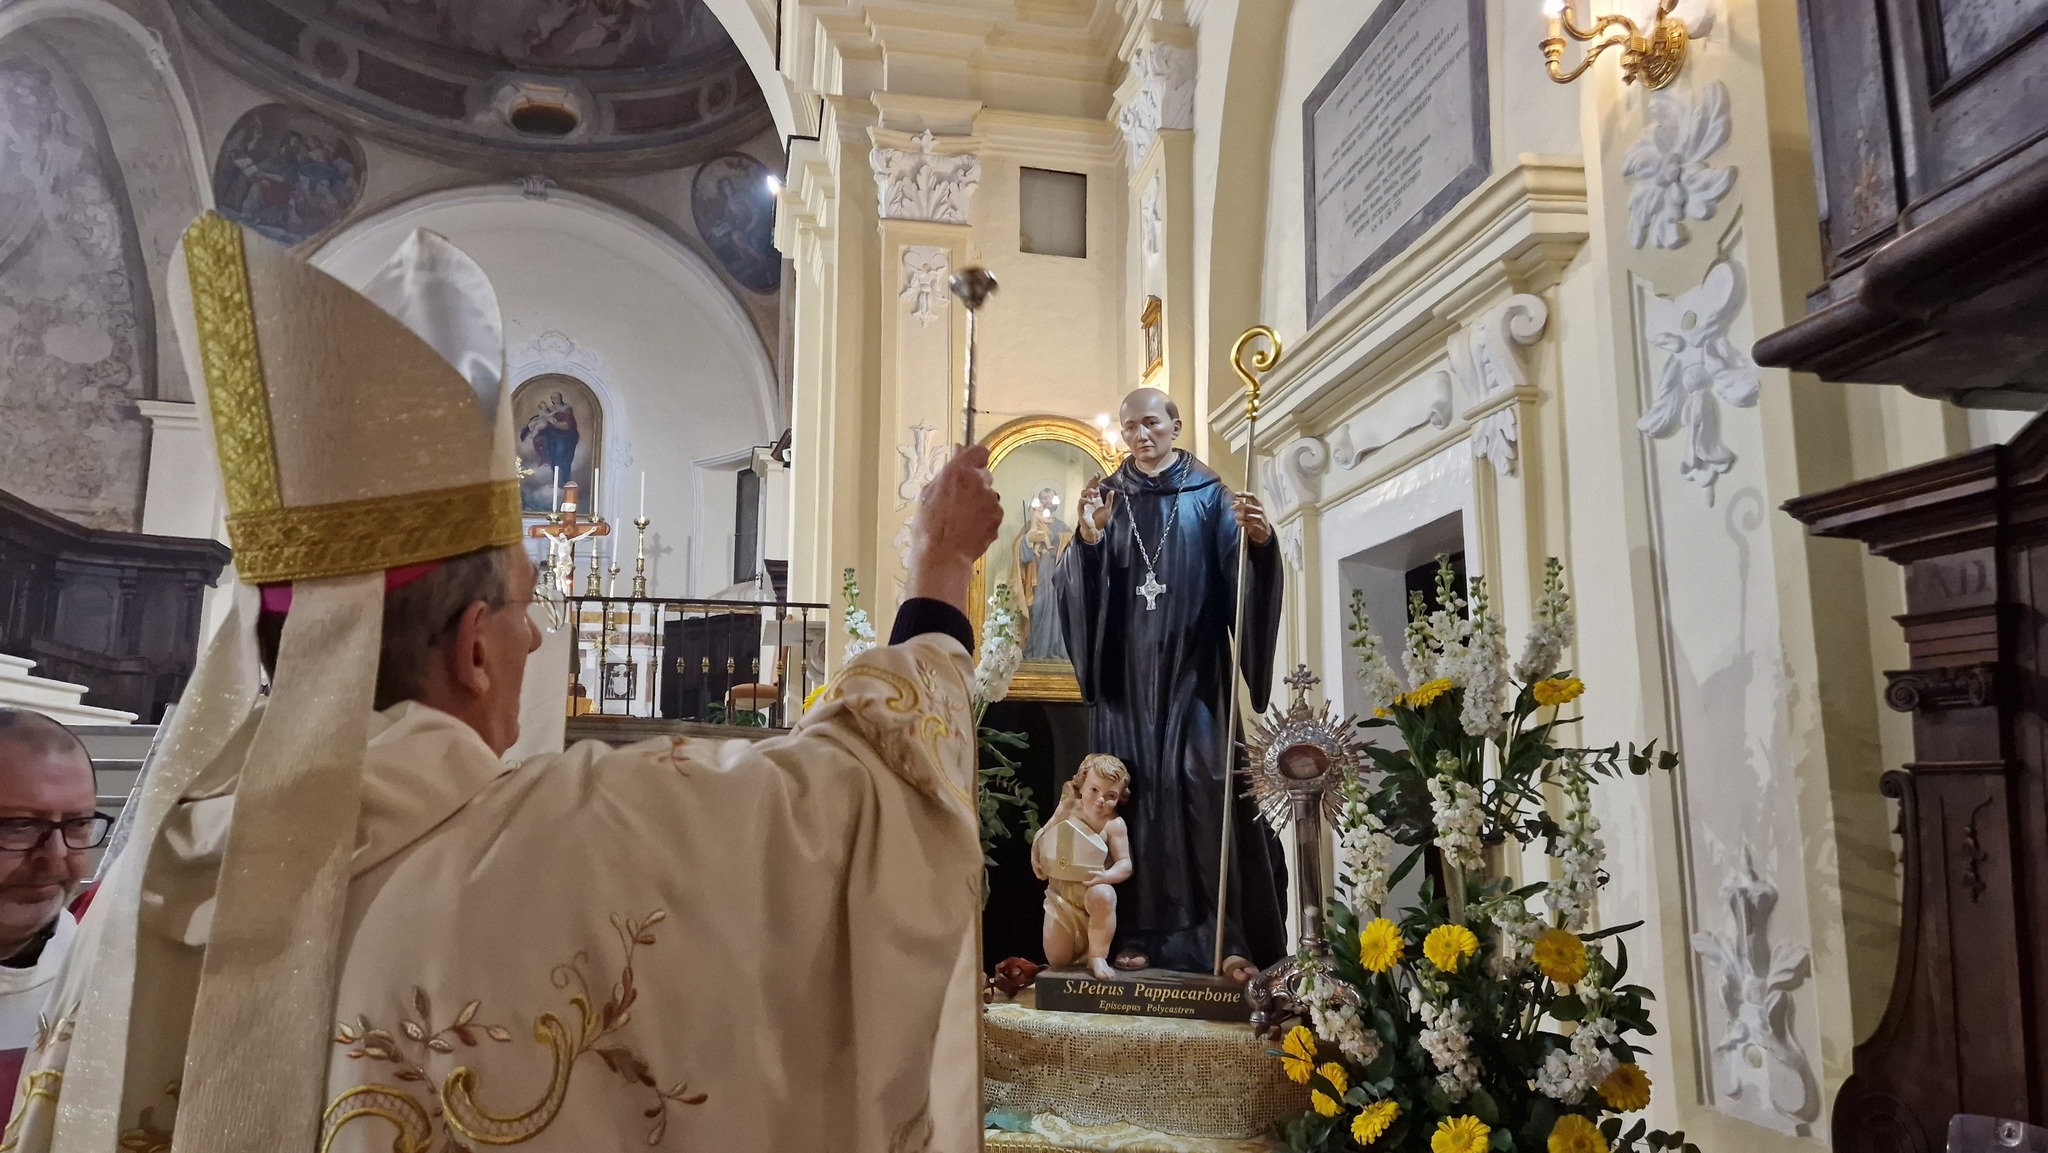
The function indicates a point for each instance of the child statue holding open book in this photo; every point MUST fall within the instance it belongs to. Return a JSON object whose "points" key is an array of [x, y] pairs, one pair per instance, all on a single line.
{"points": [[1082, 853]]}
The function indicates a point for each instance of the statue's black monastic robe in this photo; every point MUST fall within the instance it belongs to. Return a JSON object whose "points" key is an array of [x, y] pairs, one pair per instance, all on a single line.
{"points": [[1155, 682]]}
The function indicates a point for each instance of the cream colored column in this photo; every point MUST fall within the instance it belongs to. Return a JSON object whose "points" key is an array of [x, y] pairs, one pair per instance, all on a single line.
{"points": [[925, 185], [1156, 116]]}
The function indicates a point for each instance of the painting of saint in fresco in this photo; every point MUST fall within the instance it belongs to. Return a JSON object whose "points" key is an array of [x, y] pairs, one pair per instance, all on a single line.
{"points": [[550, 34], [287, 173], [735, 214], [560, 432]]}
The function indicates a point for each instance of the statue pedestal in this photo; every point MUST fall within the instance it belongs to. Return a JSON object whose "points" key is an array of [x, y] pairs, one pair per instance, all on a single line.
{"points": [[1098, 1083]]}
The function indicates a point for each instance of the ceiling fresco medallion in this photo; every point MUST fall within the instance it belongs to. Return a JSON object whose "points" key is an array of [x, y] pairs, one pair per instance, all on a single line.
{"points": [[619, 84]]}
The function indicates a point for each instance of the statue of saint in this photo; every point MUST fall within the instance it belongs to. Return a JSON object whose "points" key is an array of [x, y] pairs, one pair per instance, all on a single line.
{"points": [[1039, 546], [1147, 598], [1082, 854]]}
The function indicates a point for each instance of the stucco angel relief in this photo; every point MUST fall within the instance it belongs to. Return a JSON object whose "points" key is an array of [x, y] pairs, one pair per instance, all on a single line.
{"points": [[1702, 369], [455, 1109]]}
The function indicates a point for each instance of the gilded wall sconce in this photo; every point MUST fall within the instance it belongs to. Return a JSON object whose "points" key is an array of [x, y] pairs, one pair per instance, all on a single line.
{"points": [[1654, 57]]}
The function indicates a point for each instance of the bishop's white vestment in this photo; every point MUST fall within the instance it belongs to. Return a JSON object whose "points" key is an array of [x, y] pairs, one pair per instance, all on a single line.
{"points": [[682, 944]]}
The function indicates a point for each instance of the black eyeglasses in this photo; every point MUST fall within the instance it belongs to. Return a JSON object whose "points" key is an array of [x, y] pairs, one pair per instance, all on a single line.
{"points": [[25, 834]]}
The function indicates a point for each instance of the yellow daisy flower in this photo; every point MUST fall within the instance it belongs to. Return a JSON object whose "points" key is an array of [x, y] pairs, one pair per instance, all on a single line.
{"points": [[1557, 691], [1466, 1134], [1627, 1089], [1449, 946], [1561, 956], [1373, 1121], [811, 698], [1379, 945], [1575, 1134], [1335, 1075], [1426, 693], [1324, 1103], [1300, 1059]]}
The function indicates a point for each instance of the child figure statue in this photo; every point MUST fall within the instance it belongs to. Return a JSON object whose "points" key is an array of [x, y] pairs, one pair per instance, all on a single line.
{"points": [[1081, 854]]}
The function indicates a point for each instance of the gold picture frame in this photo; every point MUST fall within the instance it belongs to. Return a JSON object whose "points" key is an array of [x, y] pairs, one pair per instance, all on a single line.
{"points": [[1036, 679], [1151, 323]]}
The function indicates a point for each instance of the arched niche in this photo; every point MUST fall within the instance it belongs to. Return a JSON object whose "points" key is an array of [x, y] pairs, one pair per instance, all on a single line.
{"points": [[590, 291], [102, 181]]}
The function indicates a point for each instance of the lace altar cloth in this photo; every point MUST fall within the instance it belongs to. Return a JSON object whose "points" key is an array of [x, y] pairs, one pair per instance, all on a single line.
{"points": [[1201, 1079], [1051, 1134]]}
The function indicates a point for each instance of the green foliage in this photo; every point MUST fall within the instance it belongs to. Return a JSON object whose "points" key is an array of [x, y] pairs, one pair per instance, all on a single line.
{"points": [[1002, 797]]}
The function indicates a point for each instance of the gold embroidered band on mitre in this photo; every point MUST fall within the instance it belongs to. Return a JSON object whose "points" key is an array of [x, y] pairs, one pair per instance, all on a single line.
{"points": [[240, 405], [381, 532], [275, 543]]}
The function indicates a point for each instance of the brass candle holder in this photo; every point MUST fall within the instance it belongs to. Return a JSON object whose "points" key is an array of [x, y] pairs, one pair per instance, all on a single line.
{"points": [[1654, 54], [640, 556]]}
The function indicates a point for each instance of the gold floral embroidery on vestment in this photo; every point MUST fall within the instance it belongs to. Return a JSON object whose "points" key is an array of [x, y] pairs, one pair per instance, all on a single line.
{"points": [[44, 1085], [151, 1133], [463, 1119], [41, 1085], [908, 697]]}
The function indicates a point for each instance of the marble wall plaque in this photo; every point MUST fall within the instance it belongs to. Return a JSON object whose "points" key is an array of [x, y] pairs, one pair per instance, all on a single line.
{"points": [[1394, 135]]}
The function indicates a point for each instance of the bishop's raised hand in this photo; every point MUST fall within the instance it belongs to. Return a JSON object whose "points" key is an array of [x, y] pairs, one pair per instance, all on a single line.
{"points": [[957, 517], [1098, 505]]}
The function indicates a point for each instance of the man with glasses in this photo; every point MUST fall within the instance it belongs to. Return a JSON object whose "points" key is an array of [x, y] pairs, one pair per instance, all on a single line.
{"points": [[47, 824]]}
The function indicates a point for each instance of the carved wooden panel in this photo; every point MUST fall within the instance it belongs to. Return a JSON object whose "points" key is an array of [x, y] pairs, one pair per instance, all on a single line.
{"points": [[117, 612], [1966, 1027]]}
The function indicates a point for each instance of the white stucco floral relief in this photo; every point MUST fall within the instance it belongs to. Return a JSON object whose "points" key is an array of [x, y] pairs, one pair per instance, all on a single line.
{"points": [[1672, 181], [924, 184], [1758, 1059], [1702, 370]]}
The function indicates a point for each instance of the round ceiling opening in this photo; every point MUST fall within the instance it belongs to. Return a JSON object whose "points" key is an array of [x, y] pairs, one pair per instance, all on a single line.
{"points": [[543, 119]]}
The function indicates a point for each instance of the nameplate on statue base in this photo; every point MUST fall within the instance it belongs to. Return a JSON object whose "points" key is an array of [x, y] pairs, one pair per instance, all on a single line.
{"points": [[1147, 993]]}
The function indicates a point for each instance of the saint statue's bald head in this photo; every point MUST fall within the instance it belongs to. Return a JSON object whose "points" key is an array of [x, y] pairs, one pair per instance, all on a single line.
{"points": [[1151, 423]]}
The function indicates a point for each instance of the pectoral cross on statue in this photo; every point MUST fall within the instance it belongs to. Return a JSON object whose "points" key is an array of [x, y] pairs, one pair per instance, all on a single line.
{"points": [[1150, 590]]}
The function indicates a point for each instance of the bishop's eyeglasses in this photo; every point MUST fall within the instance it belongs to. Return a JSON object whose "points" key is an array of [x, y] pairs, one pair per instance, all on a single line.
{"points": [[26, 834]]}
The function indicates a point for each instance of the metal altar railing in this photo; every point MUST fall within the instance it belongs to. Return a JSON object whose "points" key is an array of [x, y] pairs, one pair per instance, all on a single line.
{"points": [[731, 662]]}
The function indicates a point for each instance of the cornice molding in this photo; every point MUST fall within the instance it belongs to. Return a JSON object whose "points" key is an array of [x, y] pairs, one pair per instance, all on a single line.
{"points": [[1513, 234]]}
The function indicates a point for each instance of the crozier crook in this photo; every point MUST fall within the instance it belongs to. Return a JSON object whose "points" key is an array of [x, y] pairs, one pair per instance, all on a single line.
{"points": [[1259, 360]]}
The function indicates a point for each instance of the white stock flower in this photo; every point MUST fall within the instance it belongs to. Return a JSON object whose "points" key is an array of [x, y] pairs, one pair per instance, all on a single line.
{"points": [[1454, 805], [1580, 854], [860, 631], [1482, 669], [1517, 930], [1375, 676], [1363, 849], [1001, 648], [1553, 631], [1445, 1038], [1338, 1021], [1570, 1073]]}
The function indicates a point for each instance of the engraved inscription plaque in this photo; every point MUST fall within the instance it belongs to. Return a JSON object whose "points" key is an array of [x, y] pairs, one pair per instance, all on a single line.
{"points": [[1394, 135]]}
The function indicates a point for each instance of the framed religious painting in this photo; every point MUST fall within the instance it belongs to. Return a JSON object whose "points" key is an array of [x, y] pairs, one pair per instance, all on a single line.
{"points": [[1040, 464], [559, 428], [1152, 324]]}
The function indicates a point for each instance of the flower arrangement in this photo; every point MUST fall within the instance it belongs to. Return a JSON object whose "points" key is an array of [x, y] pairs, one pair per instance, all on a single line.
{"points": [[1002, 650], [860, 631], [1469, 1022]]}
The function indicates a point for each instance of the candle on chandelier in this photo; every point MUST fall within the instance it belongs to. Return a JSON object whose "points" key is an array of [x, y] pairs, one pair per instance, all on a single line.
{"points": [[1553, 11]]}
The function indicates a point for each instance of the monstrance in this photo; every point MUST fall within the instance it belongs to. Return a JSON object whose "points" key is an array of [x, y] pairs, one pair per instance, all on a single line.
{"points": [[1298, 764]]}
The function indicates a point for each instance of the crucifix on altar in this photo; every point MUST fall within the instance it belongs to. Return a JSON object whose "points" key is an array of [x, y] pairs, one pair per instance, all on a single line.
{"points": [[564, 529]]}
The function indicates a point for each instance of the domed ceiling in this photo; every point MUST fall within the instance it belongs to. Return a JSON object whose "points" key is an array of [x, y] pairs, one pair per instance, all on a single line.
{"points": [[623, 84]]}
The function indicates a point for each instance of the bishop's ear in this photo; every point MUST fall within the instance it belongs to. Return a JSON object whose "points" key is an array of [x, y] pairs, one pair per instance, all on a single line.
{"points": [[467, 656]]}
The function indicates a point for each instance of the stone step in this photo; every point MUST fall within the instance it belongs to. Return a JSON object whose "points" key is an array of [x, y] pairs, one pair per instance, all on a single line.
{"points": [[58, 700]]}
